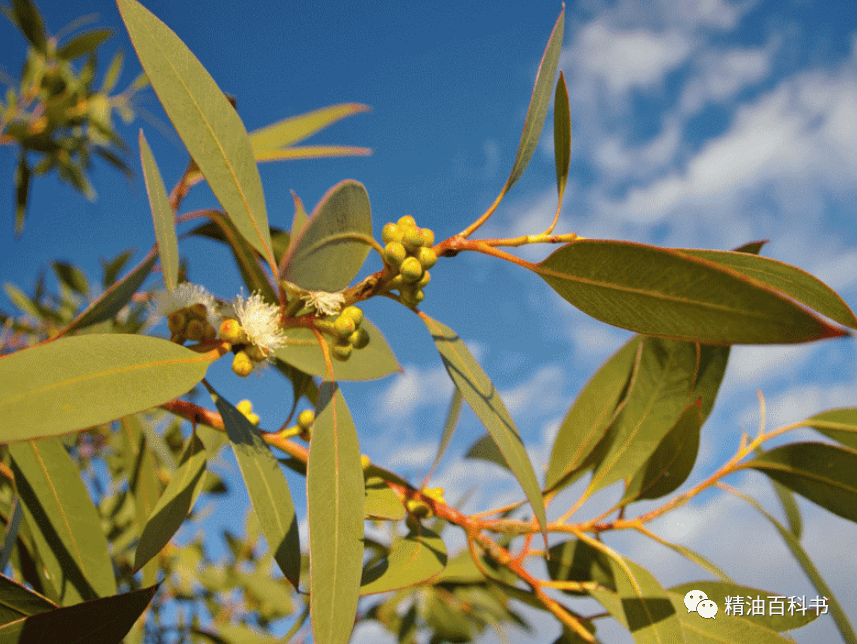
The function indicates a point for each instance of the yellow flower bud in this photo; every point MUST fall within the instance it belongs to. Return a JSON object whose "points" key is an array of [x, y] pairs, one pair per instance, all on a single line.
{"points": [[245, 407], [242, 365]]}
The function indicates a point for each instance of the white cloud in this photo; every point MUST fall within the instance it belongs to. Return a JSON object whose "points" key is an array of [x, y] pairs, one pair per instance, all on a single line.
{"points": [[539, 391], [625, 59], [413, 389], [720, 75]]}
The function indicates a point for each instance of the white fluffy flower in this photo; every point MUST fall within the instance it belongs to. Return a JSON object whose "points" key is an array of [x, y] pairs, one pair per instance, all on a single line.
{"points": [[324, 302], [183, 296], [260, 322]]}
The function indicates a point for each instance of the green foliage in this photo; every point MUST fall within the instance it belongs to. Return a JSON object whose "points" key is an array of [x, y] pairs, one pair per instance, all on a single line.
{"points": [[57, 114], [108, 452]]}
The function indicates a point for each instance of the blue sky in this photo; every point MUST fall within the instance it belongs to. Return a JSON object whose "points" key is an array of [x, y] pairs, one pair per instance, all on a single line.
{"points": [[696, 123]]}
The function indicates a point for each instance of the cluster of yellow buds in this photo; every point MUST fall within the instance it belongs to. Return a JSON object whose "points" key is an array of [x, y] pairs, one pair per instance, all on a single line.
{"points": [[421, 509], [348, 333], [409, 250], [246, 408]]}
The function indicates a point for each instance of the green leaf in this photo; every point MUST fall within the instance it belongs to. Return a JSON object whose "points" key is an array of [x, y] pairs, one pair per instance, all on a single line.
{"points": [[175, 503], [718, 591], [448, 429], [267, 487], [23, 174], [479, 392], [486, 449], [162, 214], [413, 559], [711, 367], [667, 293], [561, 135], [576, 560], [83, 43], [325, 257], [838, 424], [375, 360], [381, 501], [698, 630], [74, 383], [299, 220], [591, 414], [297, 128], [16, 601], [646, 609], [222, 229], [143, 482], [672, 461], [105, 621], [824, 474], [29, 20], [792, 281], [114, 298], [689, 554], [111, 76], [24, 303], [335, 500], [811, 571], [65, 524], [205, 120], [539, 103], [657, 397], [71, 276]]}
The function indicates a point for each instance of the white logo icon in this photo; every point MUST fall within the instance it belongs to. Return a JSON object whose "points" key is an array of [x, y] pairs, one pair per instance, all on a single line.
{"points": [[707, 609], [693, 598]]}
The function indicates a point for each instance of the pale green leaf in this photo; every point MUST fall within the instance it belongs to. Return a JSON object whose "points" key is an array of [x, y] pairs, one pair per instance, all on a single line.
{"points": [[838, 424], [267, 487], [205, 120], [335, 501], [114, 298], [74, 383], [83, 43], [297, 128], [479, 392], [162, 214], [590, 415], [824, 474], [667, 293], [381, 501], [65, 524], [413, 559], [175, 502], [326, 256]]}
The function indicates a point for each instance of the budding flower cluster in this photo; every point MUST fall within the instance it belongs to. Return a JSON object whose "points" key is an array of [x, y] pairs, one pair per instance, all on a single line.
{"points": [[409, 250], [192, 313], [348, 333]]}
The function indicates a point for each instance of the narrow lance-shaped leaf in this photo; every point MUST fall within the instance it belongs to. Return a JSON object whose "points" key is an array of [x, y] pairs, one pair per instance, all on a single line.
{"points": [[479, 392], [656, 399], [144, 485], [205, 120], [162, 214], [114, 298], [297, 128], [29, 20], [23, 174], [106, 621], [561, 135], [448, 429], [267, 487], [41, 388], [824, 474], [65, 524], [83, 43], [335, 498], [590, 415], [666, 293], [175, 503], [539, 103], [413, 559]]}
